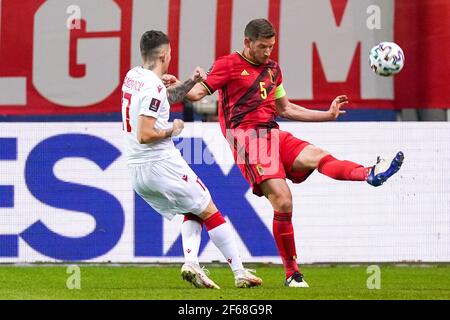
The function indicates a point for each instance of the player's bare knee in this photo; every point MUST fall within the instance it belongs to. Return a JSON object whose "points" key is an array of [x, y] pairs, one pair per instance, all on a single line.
{"points": [[317, 152], [285, 207], [316, 155], [309, 158], [283, 203]]}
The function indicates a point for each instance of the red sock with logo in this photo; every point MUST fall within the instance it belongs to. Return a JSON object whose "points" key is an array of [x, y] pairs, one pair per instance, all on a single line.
{"points": [[283, 233], [342, 169]]}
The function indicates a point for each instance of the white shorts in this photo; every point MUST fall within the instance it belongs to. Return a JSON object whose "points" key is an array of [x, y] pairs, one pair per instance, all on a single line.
{"points": [[170, 186]]}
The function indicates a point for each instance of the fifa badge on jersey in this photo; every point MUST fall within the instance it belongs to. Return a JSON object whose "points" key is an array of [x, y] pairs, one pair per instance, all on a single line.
{"points": [[260, 169], [154, 105]]}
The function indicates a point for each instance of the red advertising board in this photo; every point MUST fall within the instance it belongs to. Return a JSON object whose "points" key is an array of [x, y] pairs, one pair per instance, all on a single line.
{"points": [[69, 57]]}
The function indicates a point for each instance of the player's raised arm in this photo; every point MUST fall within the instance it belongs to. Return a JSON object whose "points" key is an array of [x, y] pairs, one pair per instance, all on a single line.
{"points": [[198, 92], [178, 92], [291, 111], [218, 76]]}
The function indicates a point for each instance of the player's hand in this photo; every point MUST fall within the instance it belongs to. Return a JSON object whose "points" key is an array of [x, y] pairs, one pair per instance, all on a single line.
{"points": [[335, 108], [198, 75], [178, 126], [170, 80]]}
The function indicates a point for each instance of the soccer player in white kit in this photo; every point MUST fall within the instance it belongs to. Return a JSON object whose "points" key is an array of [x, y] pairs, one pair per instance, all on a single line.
{"points": [[159, 173]]}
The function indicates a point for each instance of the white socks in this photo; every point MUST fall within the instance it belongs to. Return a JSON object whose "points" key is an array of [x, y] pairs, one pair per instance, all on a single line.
{"points": [[224, 240], [221, 235], [191, 231]]}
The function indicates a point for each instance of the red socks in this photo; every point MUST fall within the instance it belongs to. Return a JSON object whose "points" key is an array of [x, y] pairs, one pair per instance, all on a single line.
{"points": [[283, 233], [342, 170]]}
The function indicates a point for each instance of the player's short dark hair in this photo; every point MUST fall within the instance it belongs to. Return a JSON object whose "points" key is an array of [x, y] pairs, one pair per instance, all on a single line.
{"points": [[151, 41], [259, 28]]}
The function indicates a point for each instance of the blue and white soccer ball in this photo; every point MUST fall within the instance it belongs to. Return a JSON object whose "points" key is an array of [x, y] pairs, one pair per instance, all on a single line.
{"points": [[386, 59]]}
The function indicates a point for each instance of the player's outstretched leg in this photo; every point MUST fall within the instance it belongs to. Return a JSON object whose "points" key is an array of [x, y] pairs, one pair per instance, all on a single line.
{"points": [[315, 158], [383, 170]]}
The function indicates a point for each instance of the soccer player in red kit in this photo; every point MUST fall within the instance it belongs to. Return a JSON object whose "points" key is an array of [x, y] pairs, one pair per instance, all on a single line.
{"points": [[251, 97]]}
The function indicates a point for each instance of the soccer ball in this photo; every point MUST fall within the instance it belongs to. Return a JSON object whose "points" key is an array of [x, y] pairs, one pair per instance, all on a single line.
{"points": [[386, 59]]}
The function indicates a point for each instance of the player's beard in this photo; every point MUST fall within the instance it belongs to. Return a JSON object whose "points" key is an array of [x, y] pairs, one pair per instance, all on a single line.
{"points": [[258, 60], [262, 60]]}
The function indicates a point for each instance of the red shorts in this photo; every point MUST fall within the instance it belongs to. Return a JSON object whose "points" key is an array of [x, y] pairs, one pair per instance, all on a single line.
{"points": [[263, 155]]}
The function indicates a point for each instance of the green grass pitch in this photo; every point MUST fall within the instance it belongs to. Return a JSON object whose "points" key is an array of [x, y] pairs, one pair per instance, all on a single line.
{"points": [[164, 282]]}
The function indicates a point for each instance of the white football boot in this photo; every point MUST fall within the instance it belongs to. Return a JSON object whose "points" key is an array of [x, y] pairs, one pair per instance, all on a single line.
{"points": [[246, 279], [192, 273]]}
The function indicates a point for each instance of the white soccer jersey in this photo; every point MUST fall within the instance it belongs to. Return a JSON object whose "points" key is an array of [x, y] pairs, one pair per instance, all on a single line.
{"points": [[143, 93], [169, 186]]}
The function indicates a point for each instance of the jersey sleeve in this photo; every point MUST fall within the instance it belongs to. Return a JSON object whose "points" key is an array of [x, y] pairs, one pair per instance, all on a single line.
{"points": [[152, 99], [218, 75], [279, 91]]}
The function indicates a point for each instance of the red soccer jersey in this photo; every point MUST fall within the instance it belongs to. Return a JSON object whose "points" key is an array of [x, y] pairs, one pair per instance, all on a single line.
{"points": [[246, 92]]}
